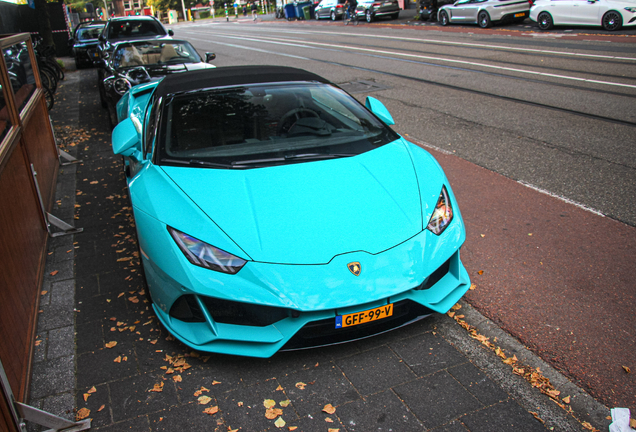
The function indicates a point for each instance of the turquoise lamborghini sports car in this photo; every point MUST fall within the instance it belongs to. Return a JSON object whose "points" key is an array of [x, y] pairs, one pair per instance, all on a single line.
{"points": [[276, 212]]}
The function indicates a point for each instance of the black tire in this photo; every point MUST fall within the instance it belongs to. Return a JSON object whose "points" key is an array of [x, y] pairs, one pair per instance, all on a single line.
{"points": [[51, 77], [395, 16], [484, 19], [78, 65], [544, 21], [56, 66], [443, 18], [612, 21], [50, 99], [368, 15], [333, 16], [316, 16], [112, 117]]}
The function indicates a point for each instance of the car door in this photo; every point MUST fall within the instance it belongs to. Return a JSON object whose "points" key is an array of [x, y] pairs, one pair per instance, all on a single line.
{"points": [[561, 11], [472, 9], [320, 9], [586, 12], [459, 11]]}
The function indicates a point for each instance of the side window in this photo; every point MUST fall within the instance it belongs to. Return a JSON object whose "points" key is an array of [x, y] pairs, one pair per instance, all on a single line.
{"points": [[151, 129]]}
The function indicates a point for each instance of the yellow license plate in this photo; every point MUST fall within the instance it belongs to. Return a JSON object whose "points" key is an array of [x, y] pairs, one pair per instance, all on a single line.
{"points": [[364, 316], [520, 14]]}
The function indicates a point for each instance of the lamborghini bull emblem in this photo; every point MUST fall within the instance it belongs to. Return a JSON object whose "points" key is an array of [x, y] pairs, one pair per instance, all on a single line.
{"points": [[355, 268]]}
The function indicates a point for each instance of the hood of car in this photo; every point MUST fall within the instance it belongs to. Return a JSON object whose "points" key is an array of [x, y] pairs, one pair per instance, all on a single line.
{"points": [[308, 213], [162, 70]]}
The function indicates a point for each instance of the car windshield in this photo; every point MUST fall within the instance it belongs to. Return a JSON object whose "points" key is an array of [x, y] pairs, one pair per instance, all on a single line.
{"points": [[89, 33], [134, 29], [148, 53], [266, 124]]}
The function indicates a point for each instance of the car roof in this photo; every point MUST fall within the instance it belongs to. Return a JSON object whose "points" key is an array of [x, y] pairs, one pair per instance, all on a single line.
{"points": [[233, 76], [133, 17]]}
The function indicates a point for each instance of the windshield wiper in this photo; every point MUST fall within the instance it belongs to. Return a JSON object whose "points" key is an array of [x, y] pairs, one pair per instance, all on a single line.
{"points": [[199, 162], [288, 158]]}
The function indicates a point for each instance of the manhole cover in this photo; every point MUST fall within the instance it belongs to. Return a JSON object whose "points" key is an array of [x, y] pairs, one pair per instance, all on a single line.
{"points": [[361, 86]]}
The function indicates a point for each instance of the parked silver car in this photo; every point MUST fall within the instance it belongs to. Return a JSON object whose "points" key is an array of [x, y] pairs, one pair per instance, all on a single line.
{"points": [[484, 12], [372, 9], [332, 9]]}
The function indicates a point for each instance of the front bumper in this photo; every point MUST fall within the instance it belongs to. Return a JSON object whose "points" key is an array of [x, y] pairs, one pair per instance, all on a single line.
{"points": [[298, 329]]}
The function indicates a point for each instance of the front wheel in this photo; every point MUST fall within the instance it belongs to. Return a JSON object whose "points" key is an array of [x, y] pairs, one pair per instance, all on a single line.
{"points": [[443, 18], [333, 15], [369, 16], [612, 21], [544, 21], [483, 19], [395, 16]]}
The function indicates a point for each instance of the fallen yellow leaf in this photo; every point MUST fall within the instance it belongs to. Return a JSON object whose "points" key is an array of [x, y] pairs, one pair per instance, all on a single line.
{"points": [[111, 344], [216, 382], [329, 409], [204, 400], [328, 420], [101, 408], [211, 410], [284, 403], [118, 359], [566, 399], [86, 396], [301, 385], [272, 413], [627, 370], [269, 403], [82, 413], [280, 422], [157, 388]]}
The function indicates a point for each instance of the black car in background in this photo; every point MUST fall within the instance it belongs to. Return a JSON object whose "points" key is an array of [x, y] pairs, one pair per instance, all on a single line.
{"points": [[129, 28], [84, 45], [138, 62]]}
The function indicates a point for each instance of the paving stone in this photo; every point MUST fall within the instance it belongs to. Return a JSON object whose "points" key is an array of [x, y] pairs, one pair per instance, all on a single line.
{"points": [[100, 308], [64, 271], [312, 423], [250, 415], [325, 385], [504, 416], [454, 426], [100, 397], [90, 336], [478, 384], [61, 342], [226, 375], [59, 312], [427, 353], [98, 366], [188, 417], [52, 377], [60, 405], [131, 397], [437, 398], [86, 287], [138, 424], [39, 351], [375, 370], [379, 412]]}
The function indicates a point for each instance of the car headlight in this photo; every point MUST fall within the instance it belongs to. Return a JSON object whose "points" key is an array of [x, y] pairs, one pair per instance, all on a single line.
{"points": [[442, 215], [631, 9], [204, 255], [121, 85]]}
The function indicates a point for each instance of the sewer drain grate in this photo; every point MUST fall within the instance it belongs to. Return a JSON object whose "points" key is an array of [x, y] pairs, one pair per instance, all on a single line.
{"points": [[361, 87]]}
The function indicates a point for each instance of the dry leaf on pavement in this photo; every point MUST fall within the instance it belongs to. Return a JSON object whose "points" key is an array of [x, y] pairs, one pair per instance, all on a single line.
{"points": [[272, 413], [157, 388], [83, 413], [627, 370], [101, 408], [566, 399], [269, 403], [211, 410], [86, 396], [177, 378], [301, 385], [329, 409], [111, 344], [204, 400], [284, 403], [280, 422]]}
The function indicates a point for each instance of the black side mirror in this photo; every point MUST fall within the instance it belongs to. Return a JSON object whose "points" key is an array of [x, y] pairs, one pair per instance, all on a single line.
{"points": [[209, 56], [170, 33]]}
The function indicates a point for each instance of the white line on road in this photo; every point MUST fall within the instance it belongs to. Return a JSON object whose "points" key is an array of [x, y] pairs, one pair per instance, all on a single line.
{"points": [[298, 43]]}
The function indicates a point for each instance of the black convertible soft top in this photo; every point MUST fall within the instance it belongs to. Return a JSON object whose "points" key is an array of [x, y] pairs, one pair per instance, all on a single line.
{"points": [[231, 76]]}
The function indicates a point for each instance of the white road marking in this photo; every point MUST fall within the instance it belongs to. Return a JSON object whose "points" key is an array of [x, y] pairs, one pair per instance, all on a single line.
{"points": [[567, 200], [308, 44], [465, 44]]}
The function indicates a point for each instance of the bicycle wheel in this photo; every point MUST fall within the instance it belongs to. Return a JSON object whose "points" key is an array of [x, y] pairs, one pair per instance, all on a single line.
{"points": [[49, 78], [56, 66], [50, 99]]}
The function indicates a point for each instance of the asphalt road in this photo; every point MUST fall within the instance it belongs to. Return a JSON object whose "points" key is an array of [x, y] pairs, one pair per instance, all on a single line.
{"points": [[553, 111]]}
